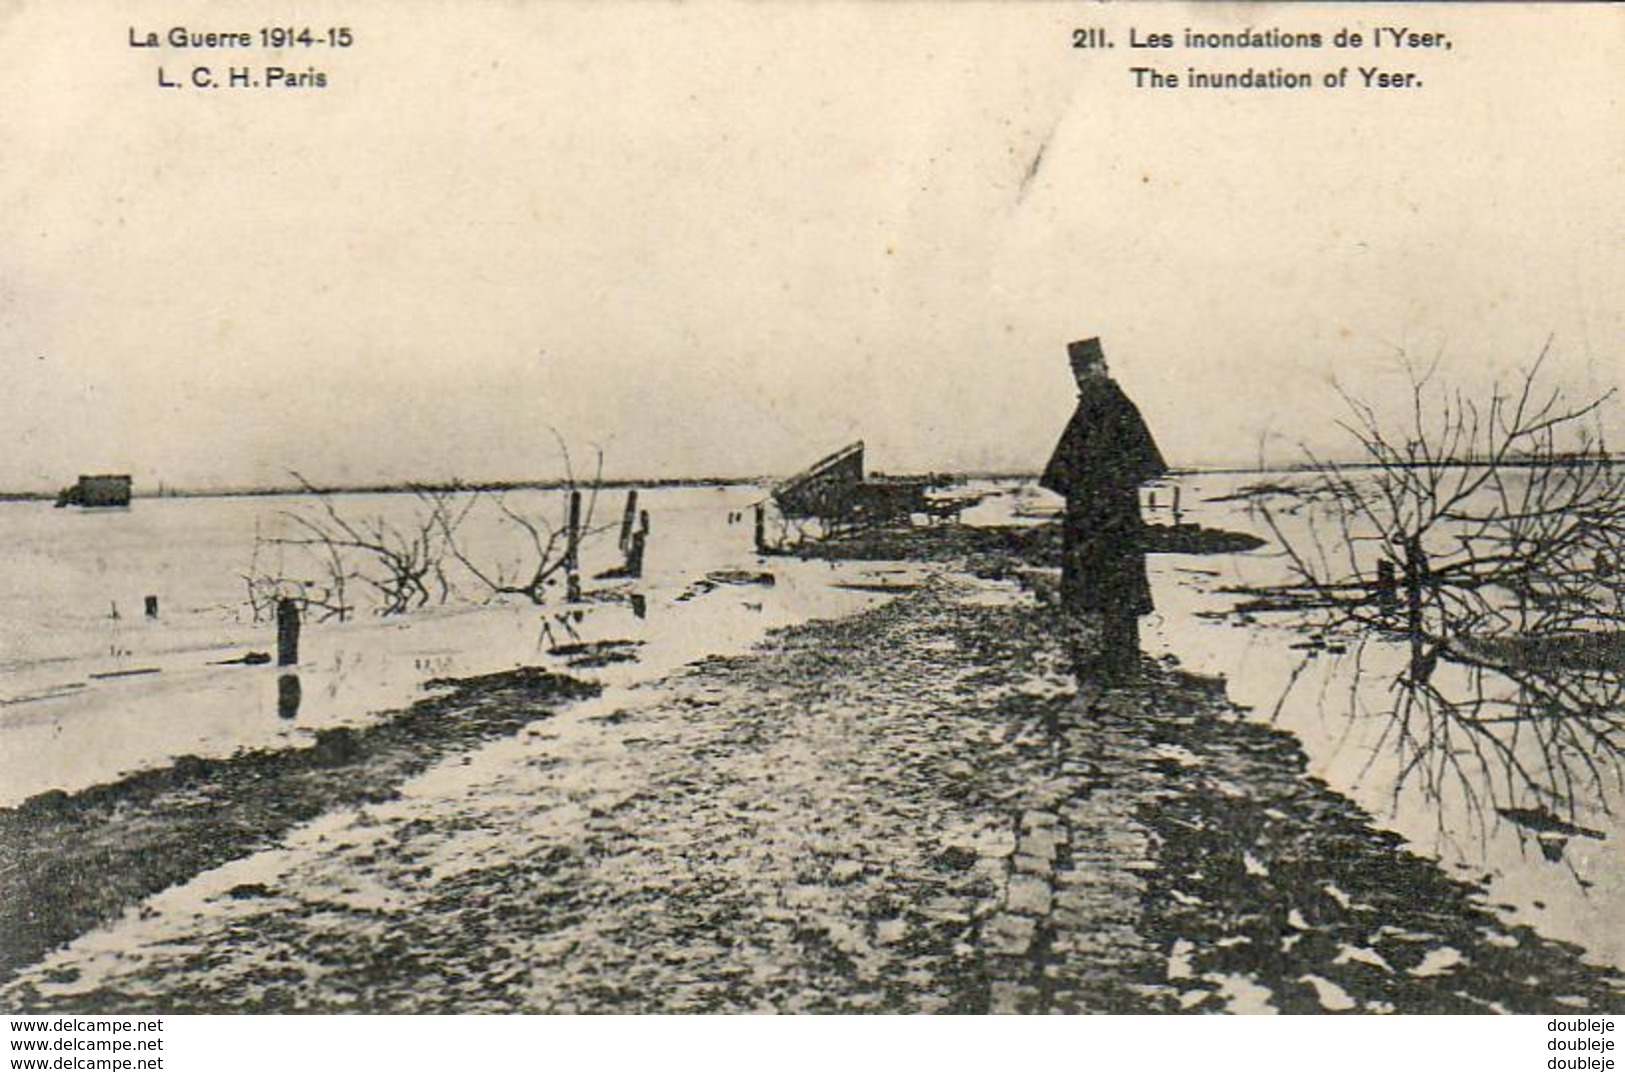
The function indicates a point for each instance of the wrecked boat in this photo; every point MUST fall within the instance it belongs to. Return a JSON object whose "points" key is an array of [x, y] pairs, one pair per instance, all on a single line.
{"points": [[835, 491]]}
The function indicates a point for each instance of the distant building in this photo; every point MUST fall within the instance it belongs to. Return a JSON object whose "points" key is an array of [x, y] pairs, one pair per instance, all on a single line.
{"points": [[106, 489]]}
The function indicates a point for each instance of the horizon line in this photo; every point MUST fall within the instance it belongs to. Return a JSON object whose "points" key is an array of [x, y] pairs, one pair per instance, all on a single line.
{"points": [[627, 483]]}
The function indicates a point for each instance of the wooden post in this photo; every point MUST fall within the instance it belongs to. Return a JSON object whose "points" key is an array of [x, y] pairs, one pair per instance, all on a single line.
{"points": [[637, 540], [572, 551], [634, 554], [1387, 587], [287, 632], [1416, 565], [640, 540], [288, 696], [628, 517], [761, 529], [1177, 515]]}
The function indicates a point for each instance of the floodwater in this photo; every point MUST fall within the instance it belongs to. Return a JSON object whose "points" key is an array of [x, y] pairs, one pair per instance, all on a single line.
{"points": [[1472, 770], [1515, 783], [90, 687]]}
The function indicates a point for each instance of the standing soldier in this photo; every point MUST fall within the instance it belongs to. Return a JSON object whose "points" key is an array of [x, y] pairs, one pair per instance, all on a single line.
{"points": [[1103, 457]]}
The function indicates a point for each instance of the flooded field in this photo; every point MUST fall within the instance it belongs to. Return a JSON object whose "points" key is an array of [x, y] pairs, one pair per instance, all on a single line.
{"points": [[90, 687], [1513, 778]]}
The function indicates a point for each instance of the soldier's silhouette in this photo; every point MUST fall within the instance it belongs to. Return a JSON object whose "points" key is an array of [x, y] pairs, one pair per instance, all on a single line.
{"points": [[1103, 457]]}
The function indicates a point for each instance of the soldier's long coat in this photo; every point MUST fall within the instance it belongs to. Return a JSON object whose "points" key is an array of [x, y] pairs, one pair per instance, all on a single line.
{"points": [[1103, 457]]}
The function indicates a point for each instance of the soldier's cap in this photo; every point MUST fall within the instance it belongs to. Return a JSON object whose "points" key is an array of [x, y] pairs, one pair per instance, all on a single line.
{"points": [[1086, 356]]}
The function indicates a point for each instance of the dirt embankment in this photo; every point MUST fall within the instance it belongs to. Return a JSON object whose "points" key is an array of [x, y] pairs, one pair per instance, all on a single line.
{"points": [[69, 862]]}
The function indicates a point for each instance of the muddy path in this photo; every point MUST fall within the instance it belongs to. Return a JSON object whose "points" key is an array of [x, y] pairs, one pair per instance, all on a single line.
{"points": [[915, 809], [70, 862]]}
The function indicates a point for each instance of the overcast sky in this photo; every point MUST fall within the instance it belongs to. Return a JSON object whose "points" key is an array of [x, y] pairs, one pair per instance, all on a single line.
{"points": [[727, 239]]}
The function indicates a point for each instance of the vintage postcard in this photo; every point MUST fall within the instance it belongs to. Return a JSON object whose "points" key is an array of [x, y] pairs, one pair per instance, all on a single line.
{"points": [[821, 507]]}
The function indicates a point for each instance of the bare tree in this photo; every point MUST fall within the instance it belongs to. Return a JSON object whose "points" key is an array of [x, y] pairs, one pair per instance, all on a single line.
{"points": [[549, 549], [411, 562], [403, 564], [1486, 535], [324, 597], [1469, 518]]}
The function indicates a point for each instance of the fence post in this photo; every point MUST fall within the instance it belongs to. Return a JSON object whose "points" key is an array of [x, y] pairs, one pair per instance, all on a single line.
{"points": [[288, 696], [628, 517], [572, 551], [1387, 586], [634, 555], [634, 551], [287, 632], [1416, 564]]}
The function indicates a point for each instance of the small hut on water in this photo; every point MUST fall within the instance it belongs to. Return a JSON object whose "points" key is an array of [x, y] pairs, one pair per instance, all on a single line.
{"points": [[105, 489]]}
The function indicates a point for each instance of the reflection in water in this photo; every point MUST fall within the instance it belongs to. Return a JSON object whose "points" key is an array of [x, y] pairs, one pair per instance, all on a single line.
{"points": [[1483, 637], [288, 695], [548, 638], [1492, 739]]}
